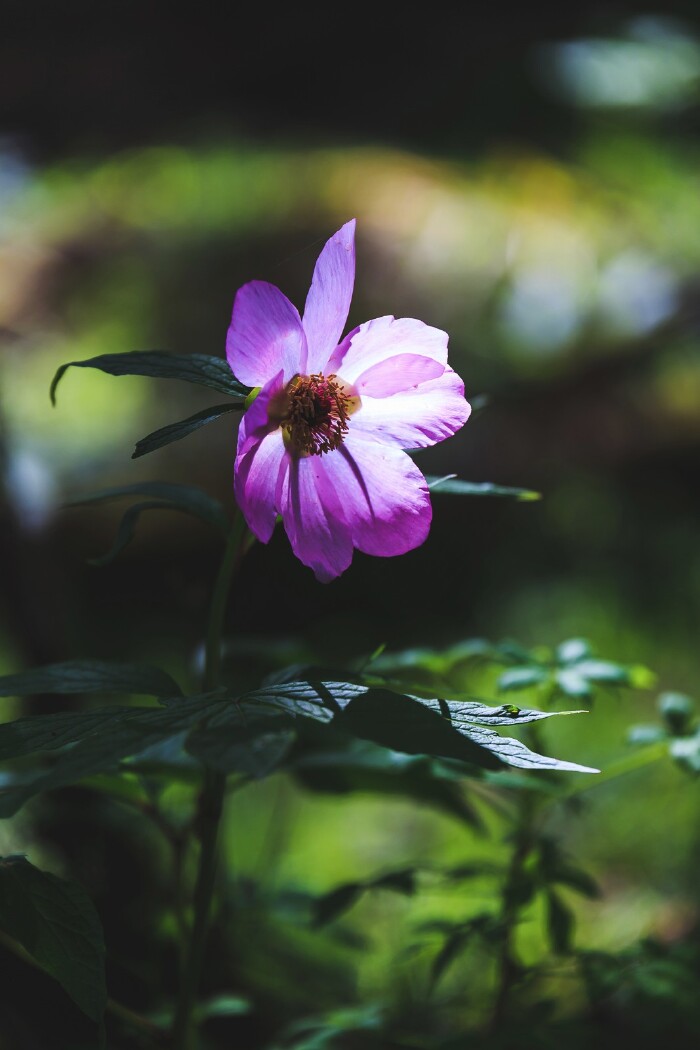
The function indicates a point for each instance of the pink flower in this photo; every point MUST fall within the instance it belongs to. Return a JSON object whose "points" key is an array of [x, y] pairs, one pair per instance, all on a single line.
{"points": [[322, 443]]}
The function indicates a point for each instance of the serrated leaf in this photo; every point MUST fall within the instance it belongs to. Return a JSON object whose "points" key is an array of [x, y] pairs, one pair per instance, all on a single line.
{"points": [[55, 921], [515, 753], [131, 731], [404, 723], [176, 431], [451, 485], [202, 369], [521, 678], [90, 676], [444, 728]]}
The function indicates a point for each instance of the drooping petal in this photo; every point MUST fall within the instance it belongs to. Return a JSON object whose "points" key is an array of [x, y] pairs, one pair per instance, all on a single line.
{"points": [[265, 335], [261, 463], [379, 340], [319, 537], [381, 494], [414, 418], [258, 482], [328, 301]]}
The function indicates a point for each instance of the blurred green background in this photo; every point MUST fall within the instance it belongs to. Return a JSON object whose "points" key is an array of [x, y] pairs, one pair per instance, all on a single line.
{"points": [[531, 185]]}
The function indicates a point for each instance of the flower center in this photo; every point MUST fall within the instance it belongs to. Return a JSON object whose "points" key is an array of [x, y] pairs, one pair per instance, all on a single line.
{"points": [[315, 417]]}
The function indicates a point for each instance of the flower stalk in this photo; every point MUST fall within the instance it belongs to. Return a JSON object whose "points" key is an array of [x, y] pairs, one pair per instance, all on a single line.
{"points": [[210, 808]]}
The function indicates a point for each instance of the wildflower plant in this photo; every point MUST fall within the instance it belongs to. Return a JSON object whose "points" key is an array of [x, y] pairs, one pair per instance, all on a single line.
{"points": [[327, 421]]}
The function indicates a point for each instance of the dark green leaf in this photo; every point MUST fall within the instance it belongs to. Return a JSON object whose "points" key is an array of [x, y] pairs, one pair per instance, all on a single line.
{"points": [[255, 749], [90, 676], [187, 498], [405, 724], [55, 921], [560, 924], [339, 900], [676, 709], [177, 431], [131, 732], [576, 879], [356, 766], [451, 949], [202, 369], [454, 486]]}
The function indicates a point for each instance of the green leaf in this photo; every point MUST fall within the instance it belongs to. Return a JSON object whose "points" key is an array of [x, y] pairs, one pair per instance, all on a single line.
{"points": [[573, 683], [187, 498], [56, 922], [404, 723], [202, 369], [560, 924], [90, 676], [131, 731], [355, 766], [177, 431], [331, 905], [572, 650], [521, 678], [515, 753], [443, 728], [451, 485], [166, 496], [676, 709], [255, 749]]}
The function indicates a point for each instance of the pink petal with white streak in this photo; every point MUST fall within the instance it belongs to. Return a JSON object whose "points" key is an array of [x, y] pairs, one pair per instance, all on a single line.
{"points": [[328, 301], [383, 338], [414, 418]]}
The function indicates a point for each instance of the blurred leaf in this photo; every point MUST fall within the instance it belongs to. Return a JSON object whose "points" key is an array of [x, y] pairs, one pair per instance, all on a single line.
{"points": [[572, 650], [255, 749], [177, 431], [645, 734], [451, 485], [560, 924], [573, 683], [521, 678], [184, 498], [202, 369], [602, 671], [90, 676], [223, 1006], [451, 949], [686, 751], [56, 922], [676, 709], [354, 765], [187, 498]]}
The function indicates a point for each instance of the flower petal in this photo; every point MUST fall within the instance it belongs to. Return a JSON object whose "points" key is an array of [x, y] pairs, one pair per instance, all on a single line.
{"points": [[265, 335], [381, 494], [319, 537], [383, 338], [328, 301], [414, 418], [258, 482]]}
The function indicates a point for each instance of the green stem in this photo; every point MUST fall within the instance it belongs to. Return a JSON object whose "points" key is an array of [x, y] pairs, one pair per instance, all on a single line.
{"points": [[210, 807], [508, 966]]}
